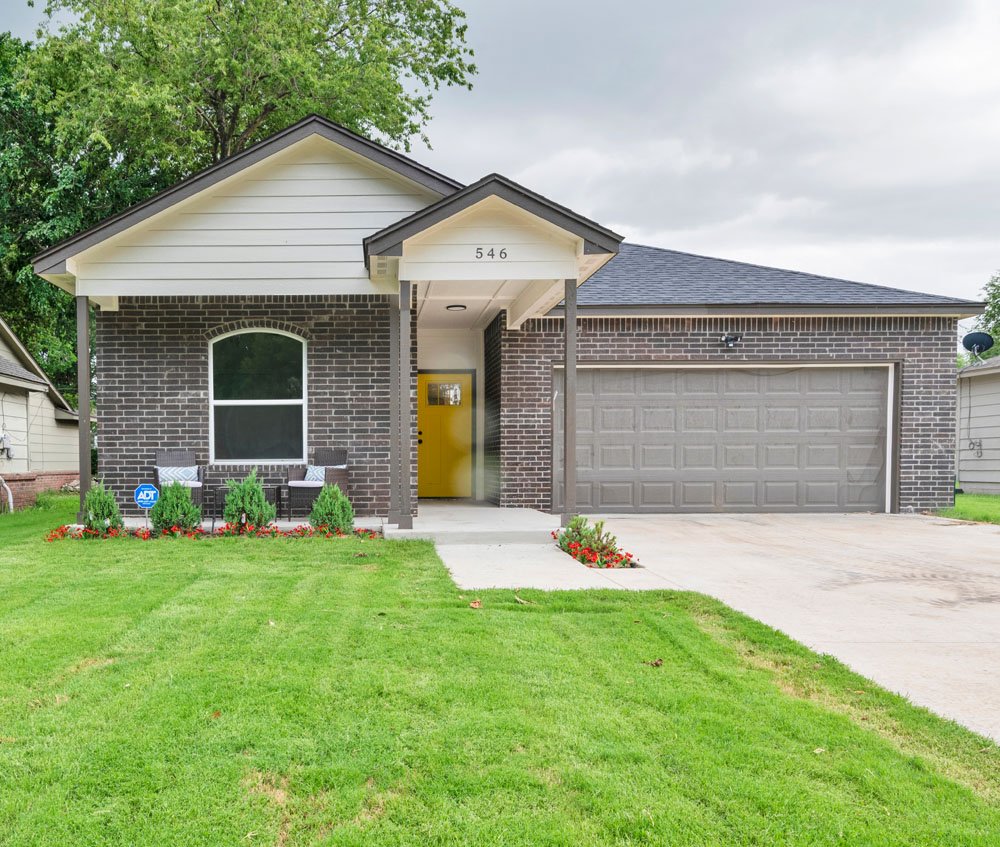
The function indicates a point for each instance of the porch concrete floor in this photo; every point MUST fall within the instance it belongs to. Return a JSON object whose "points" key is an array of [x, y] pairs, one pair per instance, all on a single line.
{"points": [[466, 522]]}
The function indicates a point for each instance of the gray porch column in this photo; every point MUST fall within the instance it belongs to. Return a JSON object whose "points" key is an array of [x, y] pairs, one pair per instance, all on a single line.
{"points": [[405, 408], [569, 404], [395, 421], [83, 392]]}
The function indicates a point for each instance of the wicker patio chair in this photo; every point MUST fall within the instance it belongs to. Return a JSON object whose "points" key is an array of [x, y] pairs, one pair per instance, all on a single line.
{"points": [[302, 494], [174, 458]]}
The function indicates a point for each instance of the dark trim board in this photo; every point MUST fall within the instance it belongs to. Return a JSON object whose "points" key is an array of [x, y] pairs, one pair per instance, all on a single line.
{"points": [[388, 241], [474, 441], [958, 309]]}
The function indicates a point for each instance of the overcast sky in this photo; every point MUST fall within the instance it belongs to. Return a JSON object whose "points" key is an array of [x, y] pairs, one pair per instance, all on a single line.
{"points": [[844, 137]]}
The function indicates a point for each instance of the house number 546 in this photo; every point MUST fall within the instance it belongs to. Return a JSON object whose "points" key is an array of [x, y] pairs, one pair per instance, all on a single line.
{"points": [[491, 253]]}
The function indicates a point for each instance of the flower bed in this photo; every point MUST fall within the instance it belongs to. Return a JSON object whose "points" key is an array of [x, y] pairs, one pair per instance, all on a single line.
{"points": [[225, 531], [592, 546]]}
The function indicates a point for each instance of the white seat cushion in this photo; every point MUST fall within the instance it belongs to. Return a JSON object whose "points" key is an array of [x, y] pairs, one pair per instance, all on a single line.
{"points": [[189, 483], [305, 483]]}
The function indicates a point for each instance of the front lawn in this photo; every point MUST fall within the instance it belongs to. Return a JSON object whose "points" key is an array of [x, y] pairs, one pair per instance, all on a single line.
{"points": [[975, 507], [288, 692]]}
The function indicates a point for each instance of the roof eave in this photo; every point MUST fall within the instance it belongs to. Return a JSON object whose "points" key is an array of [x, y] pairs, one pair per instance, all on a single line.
{"points": [[28, 361], [956, 310], [991, 367], [388, 241]]}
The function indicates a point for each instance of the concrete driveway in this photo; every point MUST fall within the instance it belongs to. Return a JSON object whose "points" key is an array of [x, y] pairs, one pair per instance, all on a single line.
{"points": [[911, 602]]}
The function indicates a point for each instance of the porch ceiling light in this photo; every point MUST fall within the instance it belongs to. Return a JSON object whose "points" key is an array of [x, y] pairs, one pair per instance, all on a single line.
{"points": [[456, 307]]}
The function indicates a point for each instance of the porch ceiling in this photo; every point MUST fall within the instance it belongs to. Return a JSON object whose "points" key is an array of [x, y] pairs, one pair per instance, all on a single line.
{"points": [[482, 299]]}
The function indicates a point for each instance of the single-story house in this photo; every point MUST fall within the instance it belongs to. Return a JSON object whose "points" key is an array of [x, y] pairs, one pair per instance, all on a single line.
{"points": [[39, 430], [270, 305], [979, 427]]}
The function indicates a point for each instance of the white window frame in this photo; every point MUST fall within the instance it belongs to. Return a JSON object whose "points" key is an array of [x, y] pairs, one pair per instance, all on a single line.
{"points": [[304, 402]]}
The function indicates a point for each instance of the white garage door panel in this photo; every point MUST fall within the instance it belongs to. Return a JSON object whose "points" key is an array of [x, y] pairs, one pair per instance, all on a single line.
{"points": [[713, 439]]}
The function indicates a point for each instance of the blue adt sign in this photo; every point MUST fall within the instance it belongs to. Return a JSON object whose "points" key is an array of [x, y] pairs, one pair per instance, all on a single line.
{"points": [[146, 496]]}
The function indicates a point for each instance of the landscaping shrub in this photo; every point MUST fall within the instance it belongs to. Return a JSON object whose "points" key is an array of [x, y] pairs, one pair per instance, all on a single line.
{"points": [[592, 546], [332, 510], [101, 512], [175, 511], [246, 505]]}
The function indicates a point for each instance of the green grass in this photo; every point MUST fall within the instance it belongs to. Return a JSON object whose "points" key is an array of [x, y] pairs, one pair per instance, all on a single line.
{"points": [[984, 508], [344, 692]]}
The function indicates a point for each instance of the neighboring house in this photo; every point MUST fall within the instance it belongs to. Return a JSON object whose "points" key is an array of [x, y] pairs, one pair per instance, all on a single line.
{"points": [[267, 306], [39, 432], [979, 427]]}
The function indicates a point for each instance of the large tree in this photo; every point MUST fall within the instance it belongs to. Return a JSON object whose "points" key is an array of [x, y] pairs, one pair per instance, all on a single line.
{"points": [[133, 95], [50, 189], [204, 79]]}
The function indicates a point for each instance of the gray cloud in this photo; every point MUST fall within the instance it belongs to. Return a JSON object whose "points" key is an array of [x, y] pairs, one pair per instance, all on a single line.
{"points": [[849, 138]]}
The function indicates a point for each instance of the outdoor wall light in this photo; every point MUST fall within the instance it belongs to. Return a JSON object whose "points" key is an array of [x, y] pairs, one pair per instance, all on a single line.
{"points": [[730, 339], [455, 307]]}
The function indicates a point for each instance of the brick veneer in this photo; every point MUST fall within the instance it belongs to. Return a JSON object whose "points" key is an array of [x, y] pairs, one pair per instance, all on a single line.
{"points": [[152, 383], [923, 347], [491, 401], [25, 487]]}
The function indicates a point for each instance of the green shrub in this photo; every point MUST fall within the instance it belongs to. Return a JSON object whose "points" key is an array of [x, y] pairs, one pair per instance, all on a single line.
{"points": [[246, 504], [101, 512], [175, 508], [333, 510]]}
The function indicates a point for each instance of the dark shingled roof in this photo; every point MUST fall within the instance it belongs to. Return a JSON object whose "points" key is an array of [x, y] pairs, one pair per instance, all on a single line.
{"points": [[652, 276], [13, 369]]}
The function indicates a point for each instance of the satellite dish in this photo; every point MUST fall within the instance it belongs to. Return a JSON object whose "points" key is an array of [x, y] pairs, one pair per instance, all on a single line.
{"points": [[977, 342]]}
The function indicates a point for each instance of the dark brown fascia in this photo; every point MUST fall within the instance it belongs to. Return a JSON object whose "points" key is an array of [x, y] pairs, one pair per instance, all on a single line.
{"points": [[53, 259], [388, 241], [962, 309]]}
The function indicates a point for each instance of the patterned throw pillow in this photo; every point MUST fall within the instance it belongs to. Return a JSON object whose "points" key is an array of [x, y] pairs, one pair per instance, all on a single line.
{"points": [[315, 473], [168, 475]]}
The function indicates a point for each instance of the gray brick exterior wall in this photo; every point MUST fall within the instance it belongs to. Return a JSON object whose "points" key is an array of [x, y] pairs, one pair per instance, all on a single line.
{"points": [[924, 349], [152, 383], [491, 401]]}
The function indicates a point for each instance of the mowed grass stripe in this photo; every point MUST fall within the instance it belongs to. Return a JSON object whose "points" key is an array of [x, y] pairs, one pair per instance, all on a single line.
{"points": [[344, 692]]}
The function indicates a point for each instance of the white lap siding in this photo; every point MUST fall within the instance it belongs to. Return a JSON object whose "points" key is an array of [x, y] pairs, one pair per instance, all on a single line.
{"points": [[297, 218]]}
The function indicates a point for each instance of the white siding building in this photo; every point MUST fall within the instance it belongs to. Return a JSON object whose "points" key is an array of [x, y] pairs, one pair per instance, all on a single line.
{"points": [[38, 428], [979, 428]]}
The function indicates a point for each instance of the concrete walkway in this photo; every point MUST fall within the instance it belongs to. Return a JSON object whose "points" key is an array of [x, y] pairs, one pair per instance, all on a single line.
{"points": [[912, 602]]}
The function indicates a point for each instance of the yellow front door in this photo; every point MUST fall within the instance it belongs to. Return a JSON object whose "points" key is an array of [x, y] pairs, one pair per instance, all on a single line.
{"points": [[444, 435]]}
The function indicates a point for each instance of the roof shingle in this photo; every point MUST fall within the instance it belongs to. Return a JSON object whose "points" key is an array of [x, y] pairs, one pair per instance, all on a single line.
{"points": [[11, 368], [654, 276]]}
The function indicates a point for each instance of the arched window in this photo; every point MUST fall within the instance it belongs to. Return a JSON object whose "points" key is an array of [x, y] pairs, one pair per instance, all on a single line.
{"points": [[257, 394]]}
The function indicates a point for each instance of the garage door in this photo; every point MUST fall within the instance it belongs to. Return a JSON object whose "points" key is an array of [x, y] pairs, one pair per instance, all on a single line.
{"points": [[735, 439]]}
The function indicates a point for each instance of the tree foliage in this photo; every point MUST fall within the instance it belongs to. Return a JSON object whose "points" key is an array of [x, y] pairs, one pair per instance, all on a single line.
{"points": [[130, 96], [989, 321], [204, 79]]}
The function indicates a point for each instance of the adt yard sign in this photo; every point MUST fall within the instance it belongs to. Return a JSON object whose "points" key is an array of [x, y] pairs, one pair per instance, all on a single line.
{"points": [[146, 496]]}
